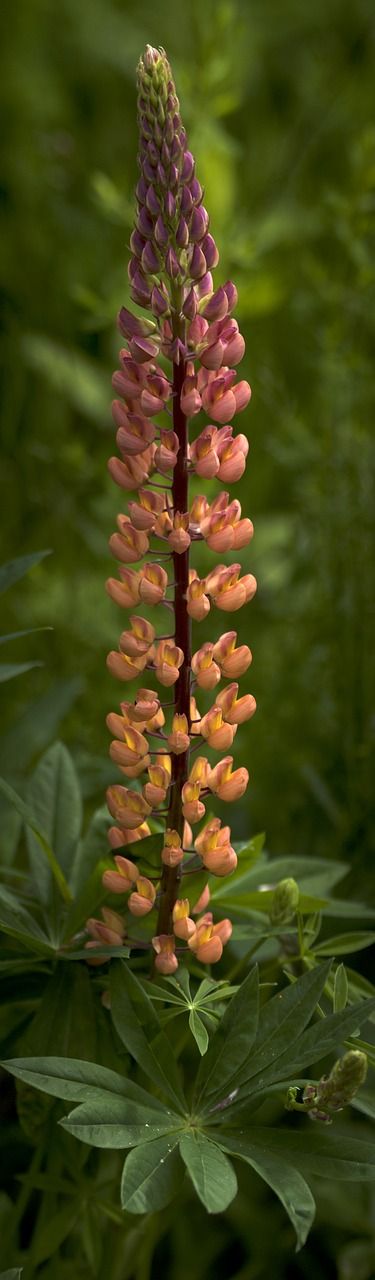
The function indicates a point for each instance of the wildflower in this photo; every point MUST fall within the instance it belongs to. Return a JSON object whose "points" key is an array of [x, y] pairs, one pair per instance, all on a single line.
{"points": [[178, 360]]}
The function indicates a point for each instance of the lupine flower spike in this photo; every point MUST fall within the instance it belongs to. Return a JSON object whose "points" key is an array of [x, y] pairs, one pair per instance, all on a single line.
{"points": [[178, 360]]}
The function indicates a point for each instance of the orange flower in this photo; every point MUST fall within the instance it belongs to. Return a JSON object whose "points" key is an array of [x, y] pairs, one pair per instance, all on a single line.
{"points": [[166, 961], [141, 901]]}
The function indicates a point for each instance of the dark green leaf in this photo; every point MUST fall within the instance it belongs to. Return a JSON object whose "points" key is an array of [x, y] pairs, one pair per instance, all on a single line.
{"points": [[282, 1021], [152, 1175], [365, 1102], [229, 1048], [114, 1123], [51, 1234], [323, 1153], [8, 670], [322, 1038], [287, 1183], [90, 849], [344, 943], [18, 635], [37, 725], [340, 989], [210, 1171], [42, 839], [139, 1029], [77, 1081], [198, 1030], [54, 799], [15, 1273], [16, 569]]}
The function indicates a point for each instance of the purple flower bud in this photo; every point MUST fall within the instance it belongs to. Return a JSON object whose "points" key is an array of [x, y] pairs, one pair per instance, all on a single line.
{"points": [[210, 251], [170, 205], [140, 291], [153, 154], [176, 151], [187, 166], [144, 223], [182, 234], [217, 307], [173, 177], [186, 202], [232, 294], [153, 202], [161, 232], [198, 265], [141, 190], [150, 259], [190, 305], [165, 155], [172, 265], [205, 286], [133, 326], [198, 224], [161, 176], [137, 243], [169, 131], [195, 191], [160, 304], [148, 170]]}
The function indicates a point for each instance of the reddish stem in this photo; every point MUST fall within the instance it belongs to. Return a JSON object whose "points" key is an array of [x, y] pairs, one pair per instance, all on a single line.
{"points": [[180, 763]]}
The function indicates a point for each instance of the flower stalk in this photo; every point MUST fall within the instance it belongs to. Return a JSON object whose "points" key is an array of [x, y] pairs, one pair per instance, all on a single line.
{"points": [[178, 362]]}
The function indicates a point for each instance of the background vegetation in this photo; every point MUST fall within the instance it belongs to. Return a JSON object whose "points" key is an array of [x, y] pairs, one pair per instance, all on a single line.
{"points": [[277, 99]]}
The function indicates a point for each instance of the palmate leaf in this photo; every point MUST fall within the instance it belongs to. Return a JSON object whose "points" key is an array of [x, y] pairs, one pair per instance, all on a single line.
{"points": [[15, 1273], [9, 670], [139, 1029], [210, 1171], [152, 1175], [231, 1044]]}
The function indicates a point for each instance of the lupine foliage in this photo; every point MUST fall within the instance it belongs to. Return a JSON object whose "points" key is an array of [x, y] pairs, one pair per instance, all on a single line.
{"points": [[194, 1073]]}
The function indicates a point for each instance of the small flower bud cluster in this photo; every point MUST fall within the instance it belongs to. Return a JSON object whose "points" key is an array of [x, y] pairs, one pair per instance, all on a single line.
{"points": [[320, 1101], [177, 362]]}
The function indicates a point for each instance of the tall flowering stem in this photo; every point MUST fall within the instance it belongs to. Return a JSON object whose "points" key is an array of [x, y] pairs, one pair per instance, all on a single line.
{"points": [[177, 362]]}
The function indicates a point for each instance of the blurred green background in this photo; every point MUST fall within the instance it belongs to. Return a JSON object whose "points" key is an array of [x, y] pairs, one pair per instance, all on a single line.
{"points": [[277, 99]]}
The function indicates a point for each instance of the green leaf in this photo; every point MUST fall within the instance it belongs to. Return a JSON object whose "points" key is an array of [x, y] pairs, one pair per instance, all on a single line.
{"points": [[51, 1234], [198, 1030], [77, 1081], [18, 635], [344, 943], [117, 1123], [340, 989], [30, 821], [287, 1183], [211, 1173], [152, 1175], [314, 875], [146, 852], [282, 1020], [8, 670], [193, 885], [320, 1039], [15, 1273], [89, 898], [55, 800], [139, 1029], [16, 569], [364, 1101], [90, 849], [324, 1154], [65, 1023], [38, 725], [230, 1046]]}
